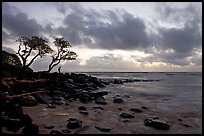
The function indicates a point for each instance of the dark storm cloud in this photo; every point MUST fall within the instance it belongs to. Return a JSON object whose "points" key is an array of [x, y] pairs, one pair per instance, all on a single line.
{"points": [[181, 40], [21, 25], [184, 39], [18, 23], [106, 29]]}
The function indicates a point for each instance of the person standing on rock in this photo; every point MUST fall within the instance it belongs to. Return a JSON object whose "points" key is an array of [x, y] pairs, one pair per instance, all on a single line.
{"points": [[59, 70]]}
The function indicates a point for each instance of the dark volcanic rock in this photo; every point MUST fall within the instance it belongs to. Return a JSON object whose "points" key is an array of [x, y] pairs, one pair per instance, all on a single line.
{"points": [[55, 132], [144, 107], [42, 99], [13, 110], [117, 81], [51, 106], [84, 112], [26, 119], [118, 100], [97, 107], [135, 110], [11, 124], [25, 100], [103, 129], [101, 100], [82, 108], [186, 125], [66, 131], [126, 115], [158, 124], [30, 129], [74, 123], [49, 127]]}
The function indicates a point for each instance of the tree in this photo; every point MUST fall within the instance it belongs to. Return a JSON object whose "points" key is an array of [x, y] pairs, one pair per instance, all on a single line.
{"points": [[27, 45], [12, 59], [62, 54]]}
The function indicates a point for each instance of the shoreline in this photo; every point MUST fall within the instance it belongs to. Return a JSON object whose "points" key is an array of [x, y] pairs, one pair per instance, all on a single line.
{"points": [[106, 118]]}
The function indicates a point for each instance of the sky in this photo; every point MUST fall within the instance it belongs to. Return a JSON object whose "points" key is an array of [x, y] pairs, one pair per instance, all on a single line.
{"points": [[111, 36]]}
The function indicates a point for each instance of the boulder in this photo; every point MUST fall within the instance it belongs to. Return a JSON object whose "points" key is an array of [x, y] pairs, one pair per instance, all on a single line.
{"points": [[144, 107], [158, 124], [30, 129], [126, 115], [117, 81], [13, 110], [66, 131], [103, 129], [11, 124], [82, 108], [118, 100], [49, 126], [100, 100], [55, 132], [26, 119], [26, 100], [74, 123], [135, 110], [84, 112]]}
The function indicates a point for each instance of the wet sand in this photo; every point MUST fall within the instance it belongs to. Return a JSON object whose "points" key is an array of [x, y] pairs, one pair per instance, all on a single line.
{"points": [[109, 117]]}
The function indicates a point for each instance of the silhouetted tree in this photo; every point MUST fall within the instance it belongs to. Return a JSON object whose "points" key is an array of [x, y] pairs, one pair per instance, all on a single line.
{"points": [[27, 45], [62, 54], [10, 58]]}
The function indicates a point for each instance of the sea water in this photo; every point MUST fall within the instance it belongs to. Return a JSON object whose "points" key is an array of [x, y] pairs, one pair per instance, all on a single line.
{"points": [[174, 91]]}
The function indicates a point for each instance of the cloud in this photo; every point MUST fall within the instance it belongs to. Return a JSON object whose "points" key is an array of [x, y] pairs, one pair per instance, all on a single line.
{"points": [[18, 23], [10, 50], [107, 29]]}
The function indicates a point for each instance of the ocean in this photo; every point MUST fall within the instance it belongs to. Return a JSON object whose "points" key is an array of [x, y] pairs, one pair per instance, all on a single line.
{"points": [[174, 97], [174, 91]]}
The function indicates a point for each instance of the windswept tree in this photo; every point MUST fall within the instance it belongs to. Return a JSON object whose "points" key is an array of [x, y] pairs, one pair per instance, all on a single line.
{"points": [[27, 45], [63, 53]]}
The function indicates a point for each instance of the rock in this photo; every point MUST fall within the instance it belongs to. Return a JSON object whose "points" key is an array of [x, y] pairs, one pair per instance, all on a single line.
{"points": [[26, 119], [51, 106], [135, 110], [49, 127], [82, 108], [179, 119], [30, 129], [100, 100], [26, 101], [97, 107], [125, 120], [117, 81], [126, 115], [99, 94], [55, 132], [186, 125], [42, 99], [66, 131], [103, 129], [158, 124], [13, 110], [119, 108], [84, 112], [143, 107], [74, 123], [118, 100], [127, 96], [11, 124], [81, 129]]}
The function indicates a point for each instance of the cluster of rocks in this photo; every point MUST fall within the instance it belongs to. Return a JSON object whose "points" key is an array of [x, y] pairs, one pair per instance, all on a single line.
{"points": [[58, 88], [13, 118]]}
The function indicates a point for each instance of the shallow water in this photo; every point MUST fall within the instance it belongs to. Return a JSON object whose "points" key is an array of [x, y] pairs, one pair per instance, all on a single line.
{"points": [[174, 96]]}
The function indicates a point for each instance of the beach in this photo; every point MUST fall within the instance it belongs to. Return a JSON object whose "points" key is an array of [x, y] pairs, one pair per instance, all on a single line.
{"points": [[185, 115]]}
